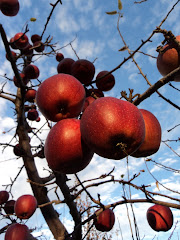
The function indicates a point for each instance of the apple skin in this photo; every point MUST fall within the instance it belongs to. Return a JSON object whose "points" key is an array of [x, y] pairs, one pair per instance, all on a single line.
{"points": [[83, 70], [109, 123], [64, 149], [31, 71], [9, 207], [88, 101], [14, 55], [94, 92], [25, 80], [4, 196], [35, 38], [64, 66], [152, 139], [105, 83], [21, 40], [27, 51], [30, 95], [18, 150], [104, 222], [169, 60], [39, 46], [32, 114], [60, 96], [25, 206], [9, 8], [59, 57], [17, 231], [160, 218]]}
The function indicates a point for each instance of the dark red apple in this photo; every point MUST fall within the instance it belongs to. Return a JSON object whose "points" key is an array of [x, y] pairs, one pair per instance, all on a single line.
{"points": [[60, 96], [39, 46], [88, 101], [27, 51], [152, 139], [59, 57], [18, 150], [17, 231], [9, 7], [30, 95], [38, 119], [104, 222], [25, 80], [14, 55], [12, 43], [105, 83], [4, 196], [25, 206], [64, 149], [112, 128], [21, 40], [9, 207], [94, 92], [32, 114], [160, 218], [83, 70], [64, 65], [35, 38], [31, 71]]}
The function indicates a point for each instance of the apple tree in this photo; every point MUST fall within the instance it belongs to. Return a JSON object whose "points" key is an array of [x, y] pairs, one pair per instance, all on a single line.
{"points": [[83, 140]]}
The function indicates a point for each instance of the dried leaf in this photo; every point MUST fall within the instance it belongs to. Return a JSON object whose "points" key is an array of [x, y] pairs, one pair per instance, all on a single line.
{"points": [[157, 185], [123, 49], [111, 13], [32, 19], [119, 4]]}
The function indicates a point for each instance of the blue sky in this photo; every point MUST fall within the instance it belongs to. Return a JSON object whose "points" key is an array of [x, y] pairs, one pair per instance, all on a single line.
{"points": [[95, 36]]}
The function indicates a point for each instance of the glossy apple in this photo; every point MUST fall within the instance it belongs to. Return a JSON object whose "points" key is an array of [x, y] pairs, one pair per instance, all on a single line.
{"points": [[21, 40], [64, 149], [160, 218], [83, 70], [59, 57], [169, 60], [104, 222], [9, 7], [112, 128], [105, 83], [32, 114], [25, 80], [9, 207], [152, 139], [30, 95], [17, 231], [64, 65], [60, 96], [31, 71], [25, 206], [4, 196]]}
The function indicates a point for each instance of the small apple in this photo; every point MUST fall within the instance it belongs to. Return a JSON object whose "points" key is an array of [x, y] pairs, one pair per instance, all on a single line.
{"points": [[14, 55], [112, 128], [31, 71], [60, 96], [105, 83], [9, 7], [21, 40], [35, 38], [94, 92], [30, 95], [152, 139], [25, 80], [4, 196], [32, 114], [64, 149], [104, 222], [9, 207], [39, 46], [88, 101], [83, 70], [25, 206], [64, 65], [59, 57], [27, 51], [17, 231], [18, 150], [38, 119], [160, 218]]}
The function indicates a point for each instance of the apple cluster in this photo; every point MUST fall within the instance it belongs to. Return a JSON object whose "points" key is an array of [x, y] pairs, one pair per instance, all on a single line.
{"points": [[9, 7], [23, 208]]}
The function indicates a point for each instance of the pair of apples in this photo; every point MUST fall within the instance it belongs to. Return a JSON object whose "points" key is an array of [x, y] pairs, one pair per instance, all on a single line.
{"points": [[109, 127]]}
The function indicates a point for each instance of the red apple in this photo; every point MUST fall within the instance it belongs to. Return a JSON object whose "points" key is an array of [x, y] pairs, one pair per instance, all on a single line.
{"points": [[35, 38], [14, 55], [59, 57], [27, 51], [39, 46], [12, 43], [31, 71], [9, 207], [4, 196], [17, 231], [38, 119], [94, 92], [160, 218], [105, 83], [21, 40], [60, 96], [25, 206], [169, 60], [83, 70], [152, 139], [104, 222], [30, 95], [64, 65], [24, 79], [9, 7], [64, 149], [32, 114], [112, 128], [88, 101]]}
